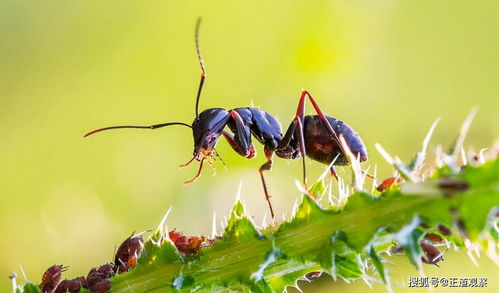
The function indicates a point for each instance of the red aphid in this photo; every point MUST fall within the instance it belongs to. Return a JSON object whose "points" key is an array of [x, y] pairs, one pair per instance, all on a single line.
{"points": [[182, 244], [174, 235], [51, 278], [73, 285], [196, 242], [128, 253], [387, 183], [188, 244]]}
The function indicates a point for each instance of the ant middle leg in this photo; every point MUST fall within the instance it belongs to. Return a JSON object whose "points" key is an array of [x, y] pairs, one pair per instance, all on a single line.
{"points": [[267, 166], [250, 153], [295, 131]]}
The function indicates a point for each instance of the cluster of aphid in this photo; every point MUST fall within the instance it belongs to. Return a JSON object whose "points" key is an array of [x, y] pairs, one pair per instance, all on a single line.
{"points": [[125, 259], [97, 279], [431, 253], [189, 245]]}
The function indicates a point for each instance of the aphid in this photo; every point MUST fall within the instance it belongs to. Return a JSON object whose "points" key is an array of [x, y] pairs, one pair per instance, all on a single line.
{"points": [[397, 249], [444, 230], [101, 286], [103, 272], [313, 275], [387, 183], [435, 238], [183, 244], [315, 136], [73, 285], [174, 235], [459, 223], [197, 242], [449, 185], [128, 253], [431, 254], [188, 244], [51, 278]]}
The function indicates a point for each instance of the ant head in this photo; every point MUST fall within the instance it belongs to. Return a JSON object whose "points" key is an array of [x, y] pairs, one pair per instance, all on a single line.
{"points": [[206, 129]]}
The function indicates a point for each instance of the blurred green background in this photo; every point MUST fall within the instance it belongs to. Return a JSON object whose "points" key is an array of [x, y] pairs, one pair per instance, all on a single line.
{"points": [[388, 68]]}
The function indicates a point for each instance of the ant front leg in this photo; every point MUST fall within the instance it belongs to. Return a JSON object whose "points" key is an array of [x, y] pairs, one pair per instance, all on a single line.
{"points": [[241, 143], [266, 166], [237, 148]]}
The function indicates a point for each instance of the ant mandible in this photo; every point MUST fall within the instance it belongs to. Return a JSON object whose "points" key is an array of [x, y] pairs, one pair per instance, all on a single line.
{"points": [[315, 136]]}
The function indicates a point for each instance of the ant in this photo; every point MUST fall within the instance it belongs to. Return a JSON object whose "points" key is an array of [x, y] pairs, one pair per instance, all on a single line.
{"points": [[315, 136]]}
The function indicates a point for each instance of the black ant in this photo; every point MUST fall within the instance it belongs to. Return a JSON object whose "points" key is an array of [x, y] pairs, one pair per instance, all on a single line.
{"points": [[316, 136]]}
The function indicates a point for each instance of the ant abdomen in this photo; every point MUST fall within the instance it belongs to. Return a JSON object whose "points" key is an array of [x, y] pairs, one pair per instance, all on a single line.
{"points": [[323, 148]]}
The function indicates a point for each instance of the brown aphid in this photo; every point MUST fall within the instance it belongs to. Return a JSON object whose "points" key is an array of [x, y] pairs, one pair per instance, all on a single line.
{"points": [[51, 278], [73, 285], [459, 223], [397, 249], [387, 183], [431, 254], [128, 253], [444, 230], [62, 287], [103, 272], [435, 238], [107, 270], [424, 225], [449, 186], [313, 275], [101, 286]]}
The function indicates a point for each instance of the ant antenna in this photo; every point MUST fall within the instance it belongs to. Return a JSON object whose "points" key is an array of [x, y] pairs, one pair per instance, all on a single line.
{"points": [[200, 89], [201, 63], [134, 126]]}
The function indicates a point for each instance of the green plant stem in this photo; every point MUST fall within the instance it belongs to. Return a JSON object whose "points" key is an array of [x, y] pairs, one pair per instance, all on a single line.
{"points": [[241, 261]]}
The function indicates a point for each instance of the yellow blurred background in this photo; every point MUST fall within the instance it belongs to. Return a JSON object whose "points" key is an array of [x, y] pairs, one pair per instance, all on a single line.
{"points": [[388, 68]]}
